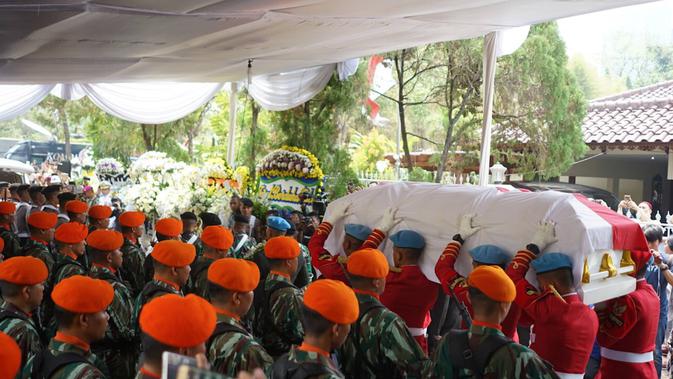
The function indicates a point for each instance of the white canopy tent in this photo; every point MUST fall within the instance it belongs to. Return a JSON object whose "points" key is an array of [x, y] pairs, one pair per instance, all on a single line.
{"points": [[289, 48]]}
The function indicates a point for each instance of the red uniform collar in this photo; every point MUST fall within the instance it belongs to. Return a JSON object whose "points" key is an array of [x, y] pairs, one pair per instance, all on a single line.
{"points": [[72, 340], [310, 348], [366, 292], [170, 283]]}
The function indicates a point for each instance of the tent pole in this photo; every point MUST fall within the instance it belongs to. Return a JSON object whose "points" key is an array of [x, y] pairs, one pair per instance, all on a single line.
{"points": [[490, 41], [231, 154]]}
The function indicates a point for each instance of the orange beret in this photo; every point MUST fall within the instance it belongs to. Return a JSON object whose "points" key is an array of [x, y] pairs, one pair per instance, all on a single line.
{"points": [[76, 206], [7, 208], [178, 321], [10, 356], [82, 294], [174, 253], [368, 263], [105, 240], [23, 271], [282, 248], [169, 227], [237, 275], [43, 220], [132, 219], [71, 232], [100, 212], [333, 300], [217, 237], [493, 282]]}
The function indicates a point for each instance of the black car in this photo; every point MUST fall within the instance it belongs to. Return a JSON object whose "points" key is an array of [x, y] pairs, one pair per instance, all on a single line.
{"points": [[37, 152], [590, 192]]}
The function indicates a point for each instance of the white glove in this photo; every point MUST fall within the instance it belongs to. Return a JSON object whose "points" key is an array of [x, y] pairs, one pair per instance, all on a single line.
{"points": [[388, 220], [466, 228], [337, 212], [545, 235]]}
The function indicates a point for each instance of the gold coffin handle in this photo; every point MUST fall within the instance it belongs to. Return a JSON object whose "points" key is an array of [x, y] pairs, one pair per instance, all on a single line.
{"points": [[586, 275], [627, 260], [607, 265]]}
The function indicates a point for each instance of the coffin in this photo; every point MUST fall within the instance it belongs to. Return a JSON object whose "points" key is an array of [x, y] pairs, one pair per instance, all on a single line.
{"points": [[597, 239]]}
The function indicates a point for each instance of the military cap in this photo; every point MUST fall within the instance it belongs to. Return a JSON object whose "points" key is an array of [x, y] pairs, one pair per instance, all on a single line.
{"points": [[358, 231], [208, 219], [100, 212], [277, 223], [489, 255], [82, 294], [177, 321], [217, 237], [237, 275], [282, 247], [71, 232], [174, 253], [76, 206], [188, 216], [50, 189], [368, 263], [65, 197], [132, 219], [169, 227], [105, 240], [550, 262], [7, 208], [408, 239], [493, 282], [333, 300], [241, 219], [10, 356], [23, 271], [42, 220], [34, 189]]}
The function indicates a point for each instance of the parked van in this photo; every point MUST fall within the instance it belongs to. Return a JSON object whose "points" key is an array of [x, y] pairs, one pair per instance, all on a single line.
{"points": [[37, 152]]}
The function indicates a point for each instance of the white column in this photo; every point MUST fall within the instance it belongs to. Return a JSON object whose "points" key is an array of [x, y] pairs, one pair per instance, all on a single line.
{"points": [[231, 153], [490, 42], [669, 175]]}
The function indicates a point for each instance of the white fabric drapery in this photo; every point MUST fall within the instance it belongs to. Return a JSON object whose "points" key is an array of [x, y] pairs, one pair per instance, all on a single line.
{"points": [[16, 100]]}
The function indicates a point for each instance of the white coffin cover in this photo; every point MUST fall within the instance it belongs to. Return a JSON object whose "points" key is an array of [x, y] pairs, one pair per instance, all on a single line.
{"points": [[507, 219]]}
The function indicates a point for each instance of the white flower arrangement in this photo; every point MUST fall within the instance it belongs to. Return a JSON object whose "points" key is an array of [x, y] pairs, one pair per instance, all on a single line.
{"points": [[109, 167]]}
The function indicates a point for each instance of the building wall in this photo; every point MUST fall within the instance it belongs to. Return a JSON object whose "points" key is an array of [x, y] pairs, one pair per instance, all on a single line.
{"points": [[624, 174]]}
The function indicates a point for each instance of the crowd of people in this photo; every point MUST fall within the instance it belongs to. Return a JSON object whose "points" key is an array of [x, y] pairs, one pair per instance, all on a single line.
{"points": [[81, 298]]}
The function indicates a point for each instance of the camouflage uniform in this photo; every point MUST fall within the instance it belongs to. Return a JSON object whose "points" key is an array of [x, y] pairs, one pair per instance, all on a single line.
{"points": [[152, 289], [199, 276], [23, 330], [232, 352], [39, 249], [243, 250], [12, 245], [281, 326], [300, 356], [95, 369], [302, 277], [511, 361], [132, 269], [382, 347], [119, 347], [66, 267]]}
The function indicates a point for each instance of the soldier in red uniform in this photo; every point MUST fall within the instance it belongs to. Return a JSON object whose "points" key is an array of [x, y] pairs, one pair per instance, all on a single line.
{"points": [[490, 255], [408, 292], [628, 329], [332, 266], [555, 307]]}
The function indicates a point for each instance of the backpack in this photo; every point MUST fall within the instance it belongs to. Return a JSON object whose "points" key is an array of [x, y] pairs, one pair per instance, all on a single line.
{"points": [[284, 369], [464, 356], [45, 364], [355, 330], [222, 328]]}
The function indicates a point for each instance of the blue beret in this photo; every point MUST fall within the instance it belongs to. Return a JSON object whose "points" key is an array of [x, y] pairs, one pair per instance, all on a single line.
{"points": [[277, 223], [408, 239], [357, 231], [489, 255], [550, 262]]}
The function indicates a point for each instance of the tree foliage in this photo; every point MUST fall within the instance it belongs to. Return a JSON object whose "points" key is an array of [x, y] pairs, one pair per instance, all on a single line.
{"points": [[369, 149], [538, 99]]}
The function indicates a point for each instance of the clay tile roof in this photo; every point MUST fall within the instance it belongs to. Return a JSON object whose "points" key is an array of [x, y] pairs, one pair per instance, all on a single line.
{"points": [[640, 116]]}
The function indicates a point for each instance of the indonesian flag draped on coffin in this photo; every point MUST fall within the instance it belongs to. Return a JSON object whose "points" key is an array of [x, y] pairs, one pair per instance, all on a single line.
{"points": [[506, 219]]}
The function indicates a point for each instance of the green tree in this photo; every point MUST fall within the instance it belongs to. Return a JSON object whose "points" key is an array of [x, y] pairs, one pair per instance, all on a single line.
{"points": [[370, 149], [592, 83], [538, 101]]}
